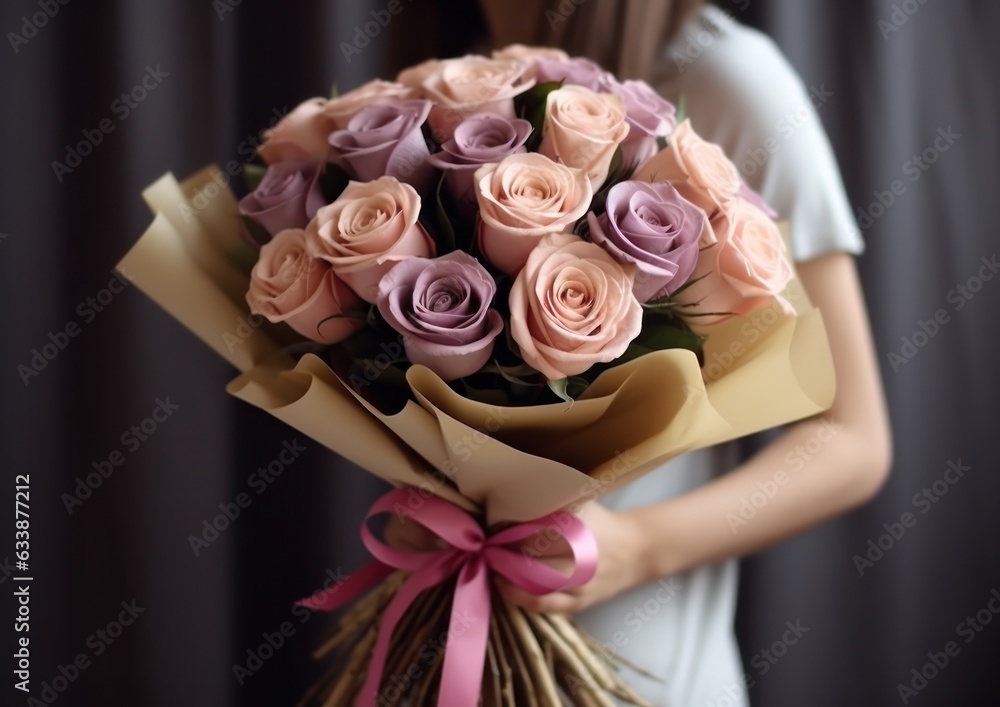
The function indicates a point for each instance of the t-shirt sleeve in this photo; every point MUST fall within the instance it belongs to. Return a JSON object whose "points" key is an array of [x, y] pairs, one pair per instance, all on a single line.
{"points": [[742, 93]]}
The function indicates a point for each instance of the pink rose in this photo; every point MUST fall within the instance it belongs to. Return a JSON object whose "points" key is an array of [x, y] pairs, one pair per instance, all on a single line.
{"points": [[386, 140], [414, 76], [300, 135], [745, 269], [523, 198], [287, 197], [289, 285], [699, 170], [442, 309], [367, 230], [473, 84], [572, 306], [341, 109], [480, 139], [583, 129], [530, 55]]}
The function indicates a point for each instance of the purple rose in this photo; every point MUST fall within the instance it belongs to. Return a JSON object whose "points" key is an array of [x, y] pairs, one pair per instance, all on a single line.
{"points": [[287, 197], [441, 306], [653, 227], [386, 141], [649, 116], [575, 72], [480, 139]]}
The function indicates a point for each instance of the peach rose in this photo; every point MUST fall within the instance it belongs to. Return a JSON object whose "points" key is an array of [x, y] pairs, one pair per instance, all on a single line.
{"points": [[341, 109], [368, 229], [699, 170], [583, 129], [572, 306], [529, 55], [473, 84], [300, 135], [288, 285], [523, 198], [414, 76], [744, 270]]}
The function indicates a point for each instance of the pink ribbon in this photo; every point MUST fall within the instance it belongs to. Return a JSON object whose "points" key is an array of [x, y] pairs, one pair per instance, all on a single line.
{"points": [[473, 556]]}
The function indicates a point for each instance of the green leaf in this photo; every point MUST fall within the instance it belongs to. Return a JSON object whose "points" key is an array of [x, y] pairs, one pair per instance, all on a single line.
{"points": [[616, 170], [568, 389], [531, 104], [253, 174], [682, 111], [256, 231], [658, 337], [560, 388], [244, 258], [633, 352], [446, 231], [333, 181], [666, 302]]}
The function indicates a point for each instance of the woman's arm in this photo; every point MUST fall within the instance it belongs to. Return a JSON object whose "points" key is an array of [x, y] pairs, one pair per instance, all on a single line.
{"points": [[705, 525]]}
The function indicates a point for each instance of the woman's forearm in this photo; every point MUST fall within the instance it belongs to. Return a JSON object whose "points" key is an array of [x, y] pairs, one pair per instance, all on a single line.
{"points": [[815, 470]]}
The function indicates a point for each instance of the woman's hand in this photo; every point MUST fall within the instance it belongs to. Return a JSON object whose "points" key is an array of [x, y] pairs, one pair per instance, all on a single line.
{"points": [[621, 565], [621, 562]]}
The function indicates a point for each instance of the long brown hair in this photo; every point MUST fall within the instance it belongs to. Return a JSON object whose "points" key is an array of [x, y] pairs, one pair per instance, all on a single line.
{"points": [[624, 36]]}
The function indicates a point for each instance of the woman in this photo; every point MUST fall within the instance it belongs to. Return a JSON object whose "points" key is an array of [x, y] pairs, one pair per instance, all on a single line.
{"points": [[665, 591]]}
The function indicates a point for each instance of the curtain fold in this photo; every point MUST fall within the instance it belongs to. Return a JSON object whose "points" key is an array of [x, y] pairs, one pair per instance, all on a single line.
{"points": [[906, 87]]}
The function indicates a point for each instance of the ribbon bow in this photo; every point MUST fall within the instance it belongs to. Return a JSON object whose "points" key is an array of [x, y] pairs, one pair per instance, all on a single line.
{"points": [[473, 556]]}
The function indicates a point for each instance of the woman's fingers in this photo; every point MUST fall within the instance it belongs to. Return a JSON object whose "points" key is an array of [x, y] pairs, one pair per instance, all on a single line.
{"points": [[555, 603]]}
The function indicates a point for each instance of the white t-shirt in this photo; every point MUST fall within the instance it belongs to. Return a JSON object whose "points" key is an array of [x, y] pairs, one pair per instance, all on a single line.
{"points": [[741, 93]]}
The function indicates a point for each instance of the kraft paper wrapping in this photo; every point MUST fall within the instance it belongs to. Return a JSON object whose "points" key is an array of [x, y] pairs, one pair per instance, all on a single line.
{"points": [[514, 463]]}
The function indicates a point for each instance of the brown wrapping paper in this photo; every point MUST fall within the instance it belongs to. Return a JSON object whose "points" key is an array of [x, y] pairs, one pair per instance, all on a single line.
{"points": [[515, 463]]}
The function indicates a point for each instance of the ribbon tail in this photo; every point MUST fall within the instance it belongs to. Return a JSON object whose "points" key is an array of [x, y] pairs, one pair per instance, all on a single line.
{"points": [[468, 635], [354, 586], [411, 589]]}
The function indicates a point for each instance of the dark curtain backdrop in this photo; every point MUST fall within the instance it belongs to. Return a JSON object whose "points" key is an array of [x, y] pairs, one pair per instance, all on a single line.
{"points": [[215, 74]]}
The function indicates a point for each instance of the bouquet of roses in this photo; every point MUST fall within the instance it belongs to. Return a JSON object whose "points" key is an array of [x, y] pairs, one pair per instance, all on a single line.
{"points": [[506, 285]]}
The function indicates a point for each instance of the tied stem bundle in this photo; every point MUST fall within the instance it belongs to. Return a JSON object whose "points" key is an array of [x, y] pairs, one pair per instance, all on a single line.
{"points": [[533, 660]]}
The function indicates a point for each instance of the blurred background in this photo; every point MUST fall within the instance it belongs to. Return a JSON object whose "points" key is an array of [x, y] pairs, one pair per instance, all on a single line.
{"points": [[126, 609]]}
